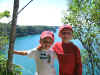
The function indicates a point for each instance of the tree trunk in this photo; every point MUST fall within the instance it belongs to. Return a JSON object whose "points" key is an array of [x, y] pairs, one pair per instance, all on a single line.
{"points": [[12, 38]]}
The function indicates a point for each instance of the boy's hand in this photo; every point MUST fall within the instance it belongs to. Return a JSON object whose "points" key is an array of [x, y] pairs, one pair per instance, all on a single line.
{"points": [[20, 52]]}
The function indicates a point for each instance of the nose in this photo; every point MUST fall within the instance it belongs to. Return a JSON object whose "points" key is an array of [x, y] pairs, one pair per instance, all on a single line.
{"points": [[65, 36]]}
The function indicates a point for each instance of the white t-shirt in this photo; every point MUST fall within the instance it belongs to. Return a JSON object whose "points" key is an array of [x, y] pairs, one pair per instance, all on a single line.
{"points": [[44, 61]]}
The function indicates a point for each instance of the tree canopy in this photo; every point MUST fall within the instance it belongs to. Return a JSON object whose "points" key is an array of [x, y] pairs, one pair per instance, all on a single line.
{"points": [[84, 16], [4, 14]]}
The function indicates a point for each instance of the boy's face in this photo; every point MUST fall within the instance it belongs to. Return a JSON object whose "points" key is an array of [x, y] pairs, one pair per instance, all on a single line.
{"points": [[66, 35], [46, 42]]}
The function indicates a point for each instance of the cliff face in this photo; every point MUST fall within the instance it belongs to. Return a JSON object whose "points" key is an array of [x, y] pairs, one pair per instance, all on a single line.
{"points": [[25, 30]]}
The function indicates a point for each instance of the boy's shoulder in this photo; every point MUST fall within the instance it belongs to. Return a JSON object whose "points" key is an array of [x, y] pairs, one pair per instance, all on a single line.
{"points": [[60, 43], [51, 50], [75, 48], [32, 50], [57, 43]]}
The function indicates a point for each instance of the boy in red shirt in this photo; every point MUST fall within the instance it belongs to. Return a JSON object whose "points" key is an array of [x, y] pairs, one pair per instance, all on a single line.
{"points": [[68, 54]]}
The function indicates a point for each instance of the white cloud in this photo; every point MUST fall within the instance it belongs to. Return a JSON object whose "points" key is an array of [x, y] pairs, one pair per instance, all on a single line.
{"points": [[40, 16], [34, 14], [6, 6]]}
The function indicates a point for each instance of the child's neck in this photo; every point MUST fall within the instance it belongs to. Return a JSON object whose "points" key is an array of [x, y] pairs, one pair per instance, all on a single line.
{"points": [[66, 42], [45, 49]]}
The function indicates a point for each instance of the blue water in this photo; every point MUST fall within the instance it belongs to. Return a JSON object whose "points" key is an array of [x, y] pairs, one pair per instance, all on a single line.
{"points": [[29, 42]]}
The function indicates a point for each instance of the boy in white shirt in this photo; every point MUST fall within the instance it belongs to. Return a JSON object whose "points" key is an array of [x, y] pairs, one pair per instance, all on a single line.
{"points": [[43, 54]]}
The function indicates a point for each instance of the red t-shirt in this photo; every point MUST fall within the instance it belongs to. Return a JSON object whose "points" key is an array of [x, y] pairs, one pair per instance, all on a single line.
{"points": [[69, 58]]}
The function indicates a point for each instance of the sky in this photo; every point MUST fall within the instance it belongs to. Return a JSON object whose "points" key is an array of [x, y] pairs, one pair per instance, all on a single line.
{"points": [[39, 12]]}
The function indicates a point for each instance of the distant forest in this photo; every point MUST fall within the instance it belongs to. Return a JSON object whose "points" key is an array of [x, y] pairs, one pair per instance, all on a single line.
{"points": [[25, 30]]}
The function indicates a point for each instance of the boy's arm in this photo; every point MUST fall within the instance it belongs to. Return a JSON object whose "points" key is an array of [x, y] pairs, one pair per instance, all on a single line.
{"points": [[78, 63], [20, 52], [54, 47]]}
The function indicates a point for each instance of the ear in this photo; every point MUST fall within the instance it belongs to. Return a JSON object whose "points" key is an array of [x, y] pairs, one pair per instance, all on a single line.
{"points": [[71, 37], [59, 34], [40, 41]]}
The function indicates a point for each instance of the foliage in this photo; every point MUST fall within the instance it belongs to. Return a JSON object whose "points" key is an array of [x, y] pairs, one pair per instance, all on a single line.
{"points": [[3, 31], [3, 43], [3, 66], [4, 14], [84, 16], [31, 30], [25, 30]]}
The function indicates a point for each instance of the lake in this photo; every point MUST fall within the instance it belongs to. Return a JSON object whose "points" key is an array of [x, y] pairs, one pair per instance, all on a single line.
{"points": [[29, 42]]}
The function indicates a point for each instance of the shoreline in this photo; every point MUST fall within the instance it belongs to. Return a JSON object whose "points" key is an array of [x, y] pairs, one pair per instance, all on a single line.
{"points": [[25, 30]]}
